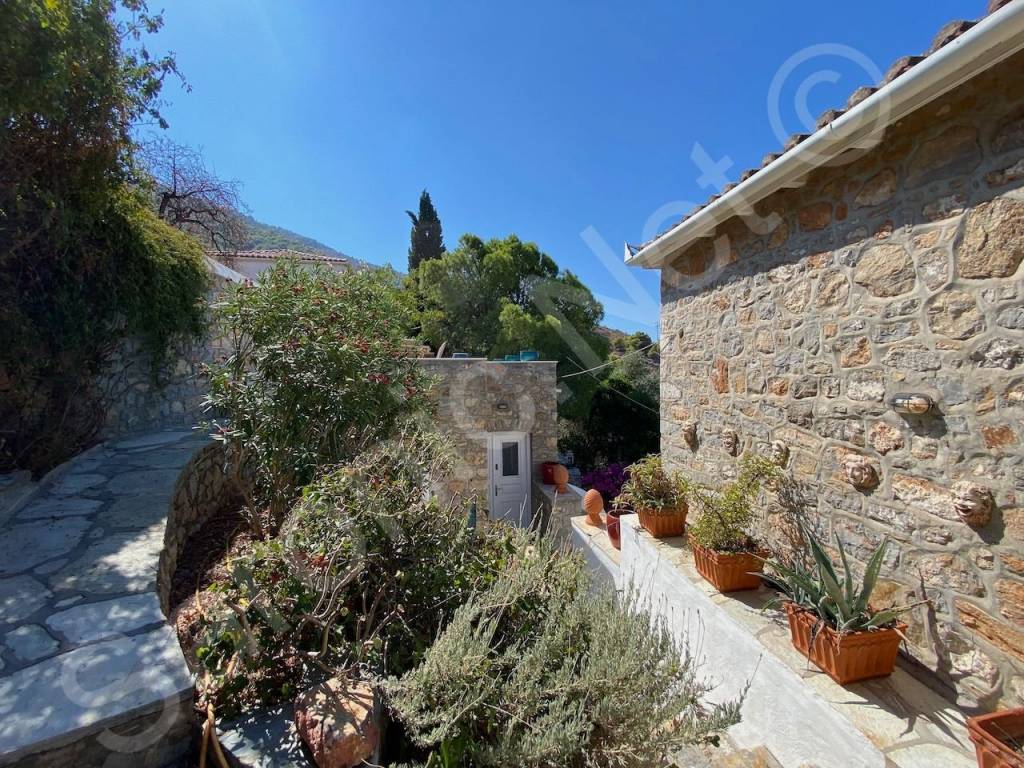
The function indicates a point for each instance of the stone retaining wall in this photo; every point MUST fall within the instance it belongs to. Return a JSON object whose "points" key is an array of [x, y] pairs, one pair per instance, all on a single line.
{"points": [[206, 485], [137, 401], [894, 272]]}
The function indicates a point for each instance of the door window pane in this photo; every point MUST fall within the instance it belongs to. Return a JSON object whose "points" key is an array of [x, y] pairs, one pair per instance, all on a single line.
{"points": [[510, 459]]}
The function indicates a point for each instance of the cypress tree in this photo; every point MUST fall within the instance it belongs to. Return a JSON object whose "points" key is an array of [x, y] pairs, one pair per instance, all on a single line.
{"points": [[425, 239]]}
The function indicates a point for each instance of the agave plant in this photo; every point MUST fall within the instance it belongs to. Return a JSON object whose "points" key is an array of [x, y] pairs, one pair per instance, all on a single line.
{"points": [[842, 603]]}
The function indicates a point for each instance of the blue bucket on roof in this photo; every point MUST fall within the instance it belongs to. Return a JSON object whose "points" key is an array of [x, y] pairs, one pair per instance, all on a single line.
{"points": [[527, 355]]}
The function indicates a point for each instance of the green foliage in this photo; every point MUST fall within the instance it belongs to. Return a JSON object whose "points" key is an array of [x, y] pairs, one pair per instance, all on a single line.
{"points": [[651, 487], [726, 514], [542, 669], [621, 422], [426, 240], [364, 572], [498, 297], [841, 602], [82, 263], [316, 373]]}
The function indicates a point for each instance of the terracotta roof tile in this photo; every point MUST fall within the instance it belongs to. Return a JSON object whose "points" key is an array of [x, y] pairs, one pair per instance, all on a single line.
{"points": [[949, 32], [827, 117], [859, 95], [793, 140], [900, 66], [282, 253]]}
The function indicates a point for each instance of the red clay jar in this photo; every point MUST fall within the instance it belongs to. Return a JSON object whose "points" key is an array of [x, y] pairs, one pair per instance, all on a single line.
{"points": [[560, 475], [614, 529], [593, 505]]}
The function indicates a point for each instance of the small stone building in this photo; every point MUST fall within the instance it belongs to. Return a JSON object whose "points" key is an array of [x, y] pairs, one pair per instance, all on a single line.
{"points": [[877, 257], [503, 423]]}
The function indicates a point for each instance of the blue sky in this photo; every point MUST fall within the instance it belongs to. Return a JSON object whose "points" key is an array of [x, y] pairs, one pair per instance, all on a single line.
{"points": [[547, 120]]}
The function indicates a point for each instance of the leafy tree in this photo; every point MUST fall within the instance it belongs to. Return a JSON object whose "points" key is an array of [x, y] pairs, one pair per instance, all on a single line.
{"points": [[500, 296], [82, 262], [426, 240], [316, 373]]}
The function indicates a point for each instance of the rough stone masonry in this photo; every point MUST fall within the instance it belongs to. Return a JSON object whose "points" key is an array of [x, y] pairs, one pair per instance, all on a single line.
{"points": [[896, 271]]}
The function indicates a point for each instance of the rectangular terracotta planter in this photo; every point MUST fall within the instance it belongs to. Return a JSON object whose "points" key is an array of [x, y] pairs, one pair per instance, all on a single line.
{"points": [[846, 658], [662, 524], [727, 571], [990, 734]]}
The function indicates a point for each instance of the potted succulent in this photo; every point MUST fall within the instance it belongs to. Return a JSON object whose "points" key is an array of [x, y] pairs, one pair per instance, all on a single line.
{"points": [[723, 550], [658, 497], [831, 620], [998, 738]]}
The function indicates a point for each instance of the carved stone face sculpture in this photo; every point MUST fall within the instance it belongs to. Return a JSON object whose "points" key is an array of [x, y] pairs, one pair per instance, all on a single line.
{"points": [[859, 472], [690, 433], [973, 503], [778, 452], [730, 441]]}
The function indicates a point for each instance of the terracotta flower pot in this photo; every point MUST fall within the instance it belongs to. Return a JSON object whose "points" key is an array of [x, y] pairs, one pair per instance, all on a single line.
{"points": [[846, 658], [727, 571], [614, 527], [990, 734], [662, 523]]}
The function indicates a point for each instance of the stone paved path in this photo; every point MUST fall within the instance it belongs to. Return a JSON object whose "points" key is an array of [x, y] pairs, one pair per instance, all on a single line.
{"points": [[82, 637]]}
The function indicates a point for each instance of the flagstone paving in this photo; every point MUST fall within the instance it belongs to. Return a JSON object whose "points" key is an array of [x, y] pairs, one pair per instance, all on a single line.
{"points": [[83, 643]]}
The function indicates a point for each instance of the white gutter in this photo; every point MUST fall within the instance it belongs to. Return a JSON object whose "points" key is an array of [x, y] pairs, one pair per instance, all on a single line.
{"points": [[988, 42]]}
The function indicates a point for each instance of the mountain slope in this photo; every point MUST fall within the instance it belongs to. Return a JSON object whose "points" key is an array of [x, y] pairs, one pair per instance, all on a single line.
{"points": [[269, 237]]}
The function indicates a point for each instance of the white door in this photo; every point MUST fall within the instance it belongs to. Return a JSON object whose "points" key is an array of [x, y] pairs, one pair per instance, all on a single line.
{"points": [[510, 477]]}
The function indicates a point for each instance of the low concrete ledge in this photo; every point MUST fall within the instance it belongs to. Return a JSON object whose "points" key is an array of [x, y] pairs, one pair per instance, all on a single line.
{"points": [[557, 508], [798, 713], [601, 556]]}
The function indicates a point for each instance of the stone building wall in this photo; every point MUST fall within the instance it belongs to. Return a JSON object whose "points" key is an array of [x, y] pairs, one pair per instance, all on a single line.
{"points": [[474, 397], [897, 271], [138, 401]]}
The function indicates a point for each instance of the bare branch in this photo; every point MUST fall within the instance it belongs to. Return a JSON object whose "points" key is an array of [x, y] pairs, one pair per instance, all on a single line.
{"points": [[189, 196]]}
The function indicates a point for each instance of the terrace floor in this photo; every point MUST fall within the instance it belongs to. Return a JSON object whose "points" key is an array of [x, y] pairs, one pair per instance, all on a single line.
{"points": [[84, 648], [792, 710]]}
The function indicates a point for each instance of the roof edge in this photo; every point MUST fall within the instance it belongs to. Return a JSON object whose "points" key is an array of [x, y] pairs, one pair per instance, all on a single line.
{"points": [[984, 45]]}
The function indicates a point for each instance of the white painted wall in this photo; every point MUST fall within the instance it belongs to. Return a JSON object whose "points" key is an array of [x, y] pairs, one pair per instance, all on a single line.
{"points": [[780, 712]]}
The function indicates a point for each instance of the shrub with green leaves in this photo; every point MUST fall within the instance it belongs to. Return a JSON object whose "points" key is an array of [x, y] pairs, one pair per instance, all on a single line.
{"points": [[317, 372], [652, 487], [543, 669], [727, 514], [364, 573], [83, 262], [840, 602]]}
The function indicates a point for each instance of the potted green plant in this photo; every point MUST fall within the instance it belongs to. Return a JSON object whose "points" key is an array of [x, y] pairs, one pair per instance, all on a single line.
{"points": [[831, 619], [723, 550], [998, 738], [658, 497]]}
